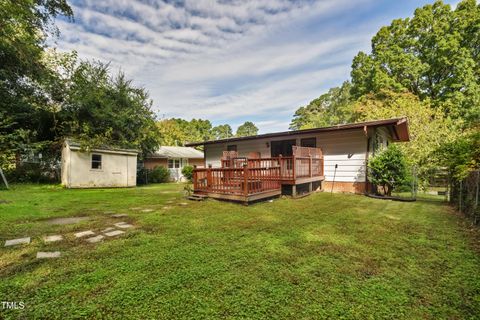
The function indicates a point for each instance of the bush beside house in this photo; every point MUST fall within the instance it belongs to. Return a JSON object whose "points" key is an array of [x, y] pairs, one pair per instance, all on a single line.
{"points": [[388, 170], [187, 172], [158, 174]]}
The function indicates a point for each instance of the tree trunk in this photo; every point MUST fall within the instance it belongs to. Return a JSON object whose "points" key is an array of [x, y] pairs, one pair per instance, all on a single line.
{"points": [[389, 190]]}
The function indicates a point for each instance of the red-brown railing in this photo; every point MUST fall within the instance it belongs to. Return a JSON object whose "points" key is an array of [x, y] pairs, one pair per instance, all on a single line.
{"points": [[237, 181], [308, 167], [308, 162], [244, 176]]}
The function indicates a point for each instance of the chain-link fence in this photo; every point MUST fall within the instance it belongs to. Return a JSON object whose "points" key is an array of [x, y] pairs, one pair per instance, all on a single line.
{"points": [[464, 195]]}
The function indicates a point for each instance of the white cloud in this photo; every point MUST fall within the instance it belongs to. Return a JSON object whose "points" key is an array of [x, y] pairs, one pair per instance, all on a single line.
{"points": [[220, 61]]}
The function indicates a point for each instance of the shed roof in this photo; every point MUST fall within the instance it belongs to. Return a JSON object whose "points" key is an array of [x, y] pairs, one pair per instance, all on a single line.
{"points": [[177, 152], [74, 145], [398, 125]]}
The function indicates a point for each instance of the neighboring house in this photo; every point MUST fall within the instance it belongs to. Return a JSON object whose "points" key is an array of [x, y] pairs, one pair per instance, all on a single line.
{"points": [[98, 168], [332, 158], [174, 158]]}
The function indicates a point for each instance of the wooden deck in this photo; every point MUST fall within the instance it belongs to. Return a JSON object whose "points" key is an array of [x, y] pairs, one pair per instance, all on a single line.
{"points": [[245, 179]]}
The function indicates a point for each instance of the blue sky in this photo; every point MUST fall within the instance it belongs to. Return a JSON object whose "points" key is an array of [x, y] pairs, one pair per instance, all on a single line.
{"points": [[230, 61]]}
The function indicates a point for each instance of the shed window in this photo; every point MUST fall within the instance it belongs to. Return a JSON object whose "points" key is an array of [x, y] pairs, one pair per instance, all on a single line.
{"points": [[232, 147], [96, 161]]}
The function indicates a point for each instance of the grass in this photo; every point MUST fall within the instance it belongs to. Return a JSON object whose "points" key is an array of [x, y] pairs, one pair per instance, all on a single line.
{"points": [[322, 256]]}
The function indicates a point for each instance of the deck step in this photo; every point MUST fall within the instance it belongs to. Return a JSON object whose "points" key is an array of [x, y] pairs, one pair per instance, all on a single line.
{"points": [[197, 197]]}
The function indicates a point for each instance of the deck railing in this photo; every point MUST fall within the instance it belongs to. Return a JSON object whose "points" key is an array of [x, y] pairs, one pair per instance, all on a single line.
{"points": [[236, 181], [242, 176]]}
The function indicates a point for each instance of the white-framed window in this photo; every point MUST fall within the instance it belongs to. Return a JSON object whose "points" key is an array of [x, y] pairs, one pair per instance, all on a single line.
{"points": [[97, 161], [173, 163], [177, 163]]}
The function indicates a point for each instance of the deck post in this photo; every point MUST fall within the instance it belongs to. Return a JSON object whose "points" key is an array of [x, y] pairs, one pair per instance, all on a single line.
{"points": [[209, 177], [294, 190], [310, 166], [245, 179], [194, 177], [294, 164]]}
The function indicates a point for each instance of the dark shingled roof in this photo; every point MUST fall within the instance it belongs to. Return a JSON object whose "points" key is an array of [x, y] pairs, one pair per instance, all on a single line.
{"points": [[399, 126]]}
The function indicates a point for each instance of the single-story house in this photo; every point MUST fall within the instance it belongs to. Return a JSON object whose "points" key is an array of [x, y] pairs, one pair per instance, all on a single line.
{"points": [[174, 158], [329, 158], [98, 168]]}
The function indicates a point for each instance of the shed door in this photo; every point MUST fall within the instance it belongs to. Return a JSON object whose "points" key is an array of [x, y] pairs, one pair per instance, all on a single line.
{"points": [[282, 147]]}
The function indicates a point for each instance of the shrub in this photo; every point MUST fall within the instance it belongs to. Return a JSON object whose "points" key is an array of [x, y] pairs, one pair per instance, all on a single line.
{"points": [[388, 169], [33, 172], [159, 174], [187, 172]]}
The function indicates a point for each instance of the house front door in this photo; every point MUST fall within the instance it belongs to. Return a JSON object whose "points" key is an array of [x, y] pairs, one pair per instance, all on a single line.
{"points": [[282, 147]]}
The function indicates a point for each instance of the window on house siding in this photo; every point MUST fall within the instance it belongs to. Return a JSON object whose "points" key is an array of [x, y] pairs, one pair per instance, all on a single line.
{"points": [[309, 142], [174, 163], [232, 147], [96, 161], [379, 142]]}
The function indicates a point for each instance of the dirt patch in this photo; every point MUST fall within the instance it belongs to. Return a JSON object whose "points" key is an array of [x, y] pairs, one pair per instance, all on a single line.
{"points": [[64, 221]]}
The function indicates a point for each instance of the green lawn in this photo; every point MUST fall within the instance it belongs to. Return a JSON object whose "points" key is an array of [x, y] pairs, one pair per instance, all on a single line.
{"points": [[322, 256]]}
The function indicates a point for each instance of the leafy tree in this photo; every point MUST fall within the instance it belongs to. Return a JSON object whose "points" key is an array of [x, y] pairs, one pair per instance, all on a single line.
{"points": [[201, 130], [435, 55], [24, 29], [101, 109], [462, 155], [247, 129], [222, 131], [428, 127], [178, 132], [331, 108], [388, 169], [172, 132]]}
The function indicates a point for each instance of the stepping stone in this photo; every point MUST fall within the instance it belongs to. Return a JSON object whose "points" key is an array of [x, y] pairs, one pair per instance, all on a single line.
{"points": [[14, 242], [95, 239], [119, 215], [84, 233], [114, 233], [48, 255], [64, 221], [136, 208], [108, 229], [109, 212], [148, 210], [53, 238], [125, 226], [183, 204], [166, 207]]}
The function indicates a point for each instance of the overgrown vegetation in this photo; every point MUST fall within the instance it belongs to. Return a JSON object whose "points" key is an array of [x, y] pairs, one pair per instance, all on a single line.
{"points": [[178, 132], [47, 96], [388, 169], [324, 256], [187, 172], [426, 67], [159, 174]]}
